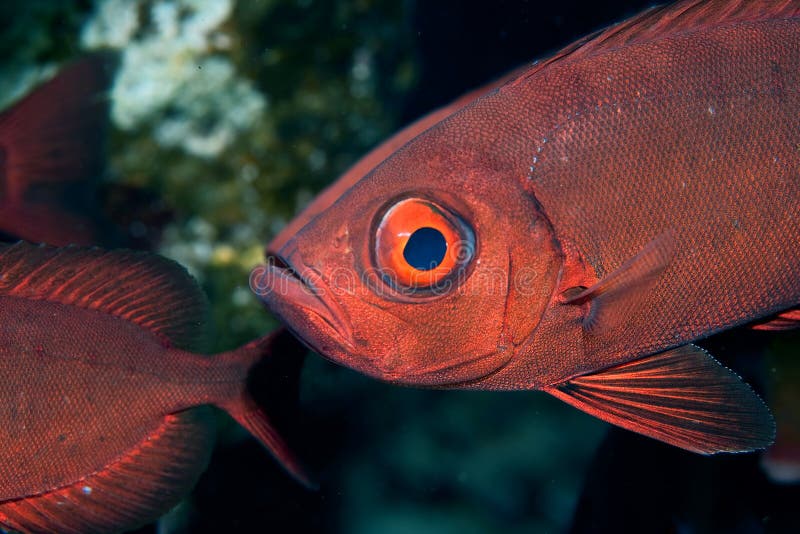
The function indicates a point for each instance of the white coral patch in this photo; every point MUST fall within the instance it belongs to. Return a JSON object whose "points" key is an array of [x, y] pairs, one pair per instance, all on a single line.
{"points": [[173, 73]]}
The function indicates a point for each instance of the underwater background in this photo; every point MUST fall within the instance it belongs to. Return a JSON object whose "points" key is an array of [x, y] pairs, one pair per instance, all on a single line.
{"points": [[227, 118]]}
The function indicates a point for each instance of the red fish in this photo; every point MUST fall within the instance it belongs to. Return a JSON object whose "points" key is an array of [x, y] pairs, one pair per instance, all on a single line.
{"points": [[576, 230], [327, 197], [104, 419], [52, 147]]}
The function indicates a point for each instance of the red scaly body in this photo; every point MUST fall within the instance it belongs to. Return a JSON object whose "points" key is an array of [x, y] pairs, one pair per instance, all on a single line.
{"points": [[637, 192], [102, 422]]}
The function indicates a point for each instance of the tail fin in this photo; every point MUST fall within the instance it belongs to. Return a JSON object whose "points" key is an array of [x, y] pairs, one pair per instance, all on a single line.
{"points": [[244, 409], [55, 135]]}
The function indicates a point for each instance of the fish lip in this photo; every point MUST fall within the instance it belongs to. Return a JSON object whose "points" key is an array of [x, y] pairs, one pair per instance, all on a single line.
{"points": [[299, 285]]}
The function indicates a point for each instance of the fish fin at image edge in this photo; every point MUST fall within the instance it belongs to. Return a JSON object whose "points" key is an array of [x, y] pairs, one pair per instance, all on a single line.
{"points": [[57, 133], [143, 484], [683, 397], [787, 320]]}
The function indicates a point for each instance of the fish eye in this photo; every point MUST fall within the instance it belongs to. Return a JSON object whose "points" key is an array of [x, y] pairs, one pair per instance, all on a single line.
{"points": [[420, 244], [425, 249]]}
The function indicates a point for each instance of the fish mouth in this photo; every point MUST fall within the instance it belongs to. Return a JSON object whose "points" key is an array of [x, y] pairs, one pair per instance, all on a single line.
{"points": [[291, 288]]}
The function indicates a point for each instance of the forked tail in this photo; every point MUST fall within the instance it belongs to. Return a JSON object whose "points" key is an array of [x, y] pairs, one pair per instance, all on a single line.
{"points": [[244, 409]]}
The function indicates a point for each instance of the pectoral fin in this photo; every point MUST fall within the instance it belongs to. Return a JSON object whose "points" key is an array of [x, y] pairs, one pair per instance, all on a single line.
{"points": [[619, 294], [786, 320], [683, 397]]}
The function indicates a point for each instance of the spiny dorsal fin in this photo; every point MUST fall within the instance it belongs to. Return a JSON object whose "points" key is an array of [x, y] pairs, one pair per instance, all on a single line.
{"points": [[683, 397], [148, 290], [662, 21], [141, 485]]}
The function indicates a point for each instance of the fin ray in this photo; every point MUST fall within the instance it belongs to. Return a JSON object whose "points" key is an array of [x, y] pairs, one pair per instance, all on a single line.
{"points": [[244, 409], [137, 488], [683, 397], [146, 289], [56, 133], [618, 295], [786, 320]]}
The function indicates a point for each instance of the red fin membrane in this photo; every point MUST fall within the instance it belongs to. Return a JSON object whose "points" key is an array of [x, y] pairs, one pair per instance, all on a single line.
{"points": [[41, 222], [247, 413], [683, 397], [148, 290], [57, 132], [255, 421], [614, 298], [139, 487], [787, 320]]}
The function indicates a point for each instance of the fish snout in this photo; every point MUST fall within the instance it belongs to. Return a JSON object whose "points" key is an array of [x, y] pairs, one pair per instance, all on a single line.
{"points": [[300, 294]]}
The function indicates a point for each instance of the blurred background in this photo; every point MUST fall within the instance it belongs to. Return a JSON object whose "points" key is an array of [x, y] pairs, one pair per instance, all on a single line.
{"points": [[227, 117]]}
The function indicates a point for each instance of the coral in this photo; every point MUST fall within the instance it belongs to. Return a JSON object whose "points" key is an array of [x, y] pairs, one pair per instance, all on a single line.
{"points": [[174, 72], [237, 114]]}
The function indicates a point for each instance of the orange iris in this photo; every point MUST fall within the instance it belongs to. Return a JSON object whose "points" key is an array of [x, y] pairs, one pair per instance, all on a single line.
{"points": [[419, 244]]}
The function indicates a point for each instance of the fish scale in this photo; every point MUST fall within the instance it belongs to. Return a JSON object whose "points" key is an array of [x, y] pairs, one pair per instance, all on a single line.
{"points": [[666, 143], [104, 419], [645, 179]]}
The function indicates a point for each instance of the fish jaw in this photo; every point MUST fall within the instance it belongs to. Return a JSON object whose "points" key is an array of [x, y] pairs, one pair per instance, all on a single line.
{"points": [[309, 308], [305, 303]]}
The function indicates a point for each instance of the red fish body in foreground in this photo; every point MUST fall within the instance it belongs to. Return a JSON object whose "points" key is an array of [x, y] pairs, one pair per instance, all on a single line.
{"points": [[104, 425], [577, 228]]}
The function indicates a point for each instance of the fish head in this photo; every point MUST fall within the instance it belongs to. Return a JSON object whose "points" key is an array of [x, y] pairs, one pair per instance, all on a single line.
{"points": [[430, 270]]}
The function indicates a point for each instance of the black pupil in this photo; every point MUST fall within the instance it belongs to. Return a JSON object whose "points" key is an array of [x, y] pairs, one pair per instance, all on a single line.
{"points": [[425, 249]]}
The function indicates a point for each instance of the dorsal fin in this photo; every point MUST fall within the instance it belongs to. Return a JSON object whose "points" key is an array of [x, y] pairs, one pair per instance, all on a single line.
{"points": [[148, 290], [662, 21], [57, 132], [141, 485]]}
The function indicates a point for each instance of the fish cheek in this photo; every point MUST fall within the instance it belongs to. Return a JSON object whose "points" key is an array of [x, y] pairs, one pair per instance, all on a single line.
{"points": [[517, 240], [459, 335], [387, 344], [433, 341], [535, 261], [436, 343]]}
